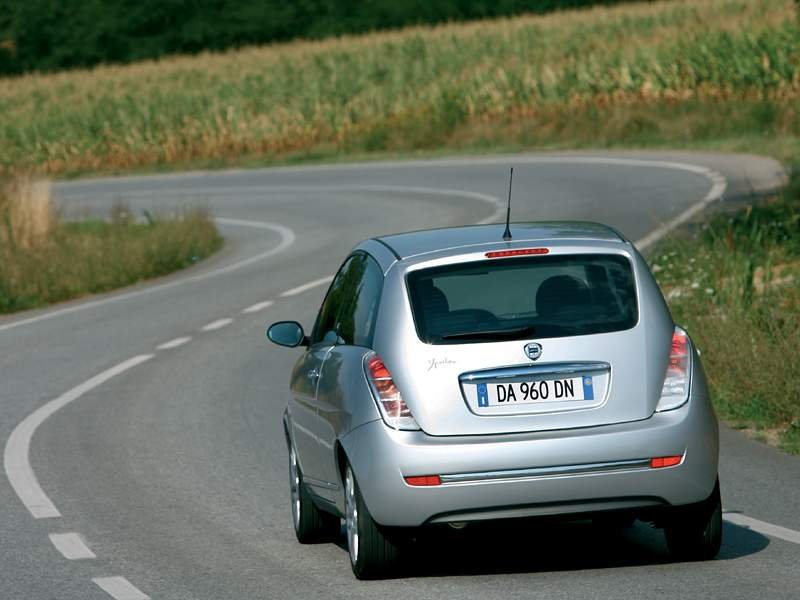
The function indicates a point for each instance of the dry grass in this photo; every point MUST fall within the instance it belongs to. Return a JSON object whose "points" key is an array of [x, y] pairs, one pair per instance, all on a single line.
{"points": [[43, 260], [417, 88], [26, 213]]}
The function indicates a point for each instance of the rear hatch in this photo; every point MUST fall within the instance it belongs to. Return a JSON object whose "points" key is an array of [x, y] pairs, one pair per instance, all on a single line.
{"points": [[549, 339]]}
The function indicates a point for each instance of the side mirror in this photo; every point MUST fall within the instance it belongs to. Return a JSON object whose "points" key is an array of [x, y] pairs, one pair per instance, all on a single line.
{"points": [[287, 333]]}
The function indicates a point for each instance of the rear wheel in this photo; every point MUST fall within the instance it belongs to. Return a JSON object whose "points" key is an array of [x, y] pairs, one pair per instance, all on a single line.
{"points": [[695, 533], [372, 553], [310, 523]]}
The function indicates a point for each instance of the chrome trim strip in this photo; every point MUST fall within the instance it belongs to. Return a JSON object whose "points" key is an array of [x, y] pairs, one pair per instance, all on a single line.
{"points": [[538, 472], [524, 372]]}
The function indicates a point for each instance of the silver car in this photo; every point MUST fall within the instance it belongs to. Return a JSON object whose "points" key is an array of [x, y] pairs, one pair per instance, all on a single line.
{"points": [[452, 376]]}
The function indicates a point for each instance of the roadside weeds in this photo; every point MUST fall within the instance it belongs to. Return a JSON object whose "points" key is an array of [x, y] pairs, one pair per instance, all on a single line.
{"points": [[734, 285], [44, 259]]}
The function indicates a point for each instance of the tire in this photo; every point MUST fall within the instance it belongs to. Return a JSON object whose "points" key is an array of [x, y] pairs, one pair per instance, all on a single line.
{"points": [[695, 533], [310, 523], [372, 553]]}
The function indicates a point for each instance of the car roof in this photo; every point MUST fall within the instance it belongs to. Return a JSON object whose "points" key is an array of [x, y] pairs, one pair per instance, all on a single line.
{"points": [[415, 243]]}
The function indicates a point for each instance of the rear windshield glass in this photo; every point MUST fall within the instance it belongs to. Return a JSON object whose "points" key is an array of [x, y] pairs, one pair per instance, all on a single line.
{"points": [[519, 298]]}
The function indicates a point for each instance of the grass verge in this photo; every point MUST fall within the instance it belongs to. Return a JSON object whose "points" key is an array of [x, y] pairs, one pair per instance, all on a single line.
{"points": [[44, 260], [735, 286], [676, 73]]}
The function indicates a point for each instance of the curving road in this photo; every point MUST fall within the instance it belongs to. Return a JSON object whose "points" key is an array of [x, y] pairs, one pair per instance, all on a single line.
{"points": [[143, 451]]}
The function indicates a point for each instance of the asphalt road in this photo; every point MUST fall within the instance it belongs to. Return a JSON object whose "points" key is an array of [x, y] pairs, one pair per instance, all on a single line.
{"points": [[171, 469]]}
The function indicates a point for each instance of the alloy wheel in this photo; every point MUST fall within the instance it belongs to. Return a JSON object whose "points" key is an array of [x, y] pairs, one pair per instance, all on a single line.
{"points": [[294, 486], [351, 515]]}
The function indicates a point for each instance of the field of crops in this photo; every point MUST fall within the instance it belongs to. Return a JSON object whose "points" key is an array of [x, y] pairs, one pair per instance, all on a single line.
{"points": [[675, 71]]}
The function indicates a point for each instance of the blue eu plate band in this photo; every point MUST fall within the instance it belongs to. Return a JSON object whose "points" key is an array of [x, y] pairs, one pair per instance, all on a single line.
{"points": [[483, 395], [588, 391]]}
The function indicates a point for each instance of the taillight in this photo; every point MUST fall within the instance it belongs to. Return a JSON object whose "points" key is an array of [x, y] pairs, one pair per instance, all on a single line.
{"points": [[394, 410], [675, 391]]}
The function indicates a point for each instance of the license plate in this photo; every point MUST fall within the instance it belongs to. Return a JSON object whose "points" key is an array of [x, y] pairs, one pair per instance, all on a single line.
{"points": [[532, 392]]}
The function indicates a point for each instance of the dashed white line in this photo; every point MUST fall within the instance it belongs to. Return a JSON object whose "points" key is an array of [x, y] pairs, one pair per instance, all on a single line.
{"points": [[218, 324], [306, 286], [789, 535], [120, 588], [72, 546], [174, 343], [257, 307], [16, 457]]}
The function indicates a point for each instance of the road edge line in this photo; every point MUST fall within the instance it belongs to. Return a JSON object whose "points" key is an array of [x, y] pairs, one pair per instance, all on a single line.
{"points": [[718, 186], [16, 456], [770, 529]]}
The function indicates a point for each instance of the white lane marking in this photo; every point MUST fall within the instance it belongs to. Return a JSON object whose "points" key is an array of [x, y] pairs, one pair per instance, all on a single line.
{"points": [[717, 180], [307, 286], [120, 588], [218, 324], [174, 343], [508, 159], [257, 307], [718, 185], [287, 239], [498, 205], [72, 546], [16, 458], [789, 535]]}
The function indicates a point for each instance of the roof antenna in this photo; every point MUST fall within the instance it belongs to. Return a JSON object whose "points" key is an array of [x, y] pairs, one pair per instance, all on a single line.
{"points": [[507, 232]]}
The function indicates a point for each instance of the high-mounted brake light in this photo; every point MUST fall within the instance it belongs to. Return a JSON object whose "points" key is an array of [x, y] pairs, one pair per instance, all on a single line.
{"points": [[675, 391], [423, 480], [665, 461], [521, 252], [395, 412]]}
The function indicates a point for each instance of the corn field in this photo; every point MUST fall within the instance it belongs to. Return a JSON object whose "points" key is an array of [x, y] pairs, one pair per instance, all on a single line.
{"points": [[404, 90]]}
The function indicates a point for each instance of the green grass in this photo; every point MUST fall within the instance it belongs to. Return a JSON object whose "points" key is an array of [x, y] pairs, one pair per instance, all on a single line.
{"points": [[735, 286], [76, 259], [673, 73]]}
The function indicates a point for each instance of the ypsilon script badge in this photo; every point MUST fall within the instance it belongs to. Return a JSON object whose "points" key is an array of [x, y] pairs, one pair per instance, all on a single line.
{"points": [[533, 350]]}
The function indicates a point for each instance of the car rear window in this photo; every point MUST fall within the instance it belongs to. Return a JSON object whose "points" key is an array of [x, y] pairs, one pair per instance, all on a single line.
{"points": [[522, 298]]}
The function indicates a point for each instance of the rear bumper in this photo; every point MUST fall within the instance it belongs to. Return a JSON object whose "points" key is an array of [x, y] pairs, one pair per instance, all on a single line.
{"points": [[548, 473]]}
